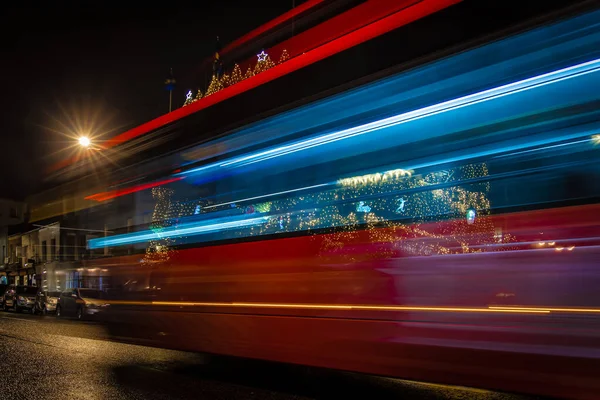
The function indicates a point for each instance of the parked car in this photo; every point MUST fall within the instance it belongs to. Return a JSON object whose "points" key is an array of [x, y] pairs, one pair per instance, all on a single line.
{"points": [[19, 298], [81, 303], [2, 291], [45, 302], [8, 297]]}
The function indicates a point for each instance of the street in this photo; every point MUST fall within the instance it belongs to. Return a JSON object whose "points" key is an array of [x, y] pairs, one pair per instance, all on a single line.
{"points": [[50, 358]]}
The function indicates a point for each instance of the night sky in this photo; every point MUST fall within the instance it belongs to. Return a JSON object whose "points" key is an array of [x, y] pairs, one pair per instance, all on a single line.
{"points": [[100, 69]]}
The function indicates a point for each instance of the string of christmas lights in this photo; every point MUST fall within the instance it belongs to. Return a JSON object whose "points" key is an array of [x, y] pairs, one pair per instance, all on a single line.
{"points": [[159, 250], [418, 214], [217, 83]]}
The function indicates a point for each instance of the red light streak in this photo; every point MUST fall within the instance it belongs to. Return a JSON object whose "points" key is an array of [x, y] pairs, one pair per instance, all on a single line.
{"points": [[271, 24], [354, 38], [339, 25], [103, 196]]}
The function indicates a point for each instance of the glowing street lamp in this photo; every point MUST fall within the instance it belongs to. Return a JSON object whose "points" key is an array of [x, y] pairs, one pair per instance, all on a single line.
{"points": [[84, 141]]}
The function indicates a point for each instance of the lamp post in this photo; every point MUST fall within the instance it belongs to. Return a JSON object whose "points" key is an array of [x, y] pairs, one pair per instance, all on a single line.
{"points": [[170, 85]]}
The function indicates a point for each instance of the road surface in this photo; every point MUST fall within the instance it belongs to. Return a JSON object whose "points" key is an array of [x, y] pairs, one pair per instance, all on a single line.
{"points": [[50, 358]]}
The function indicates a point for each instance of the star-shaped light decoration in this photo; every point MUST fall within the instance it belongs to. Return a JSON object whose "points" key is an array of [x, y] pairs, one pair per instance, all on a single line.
{"points": [[262, 56], [188, 96]]}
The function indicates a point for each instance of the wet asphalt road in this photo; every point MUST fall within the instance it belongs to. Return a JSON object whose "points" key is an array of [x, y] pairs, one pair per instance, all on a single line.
{"points": [[49, 358]]}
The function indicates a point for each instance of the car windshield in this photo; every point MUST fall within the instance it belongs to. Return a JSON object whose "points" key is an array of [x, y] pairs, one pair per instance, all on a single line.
{"points": [[27, 290], [90, 293], [53, 294]]}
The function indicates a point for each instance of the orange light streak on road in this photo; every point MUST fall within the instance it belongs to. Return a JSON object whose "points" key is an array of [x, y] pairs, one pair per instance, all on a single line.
{"points": [[347, 307]]}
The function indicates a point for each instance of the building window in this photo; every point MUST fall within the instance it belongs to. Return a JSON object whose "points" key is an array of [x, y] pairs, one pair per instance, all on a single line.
{"points": [[74, 280]]}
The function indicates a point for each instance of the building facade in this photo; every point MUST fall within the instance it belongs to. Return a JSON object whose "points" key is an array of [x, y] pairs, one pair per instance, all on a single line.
{"points": [[12, 213]]}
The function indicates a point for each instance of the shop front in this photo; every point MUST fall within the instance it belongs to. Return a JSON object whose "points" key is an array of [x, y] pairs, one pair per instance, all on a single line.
{"points": [[21, 277], [3, 277], [12, 277], [58, 276], [26, 276]]}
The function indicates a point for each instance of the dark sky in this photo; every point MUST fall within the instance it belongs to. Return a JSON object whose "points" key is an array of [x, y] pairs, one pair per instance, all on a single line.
{"points": [[101, 68]]}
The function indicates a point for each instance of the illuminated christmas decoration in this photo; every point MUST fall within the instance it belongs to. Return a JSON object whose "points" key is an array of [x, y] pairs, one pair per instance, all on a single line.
{"points": [[400, 211], [262, 56], [425, 204], [375, 178], [219, 82], [284, 56], [596, 139], [159, 250], [263, 64], [188, 98], [471, 216], [361, 207], [401, 203], [226, 80], [263, 207], [214, 86], [249, 73], [236, 75]]}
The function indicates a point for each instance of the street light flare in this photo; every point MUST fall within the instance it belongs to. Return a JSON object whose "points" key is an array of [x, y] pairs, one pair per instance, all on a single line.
{"points": [[84, 141]]}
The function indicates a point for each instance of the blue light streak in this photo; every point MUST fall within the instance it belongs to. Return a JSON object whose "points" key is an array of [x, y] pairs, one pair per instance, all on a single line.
{"points": [[504, 61], [270, 195], [513, 149], [567, 134], [461, 102], [429, 111], [186, 229]]}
